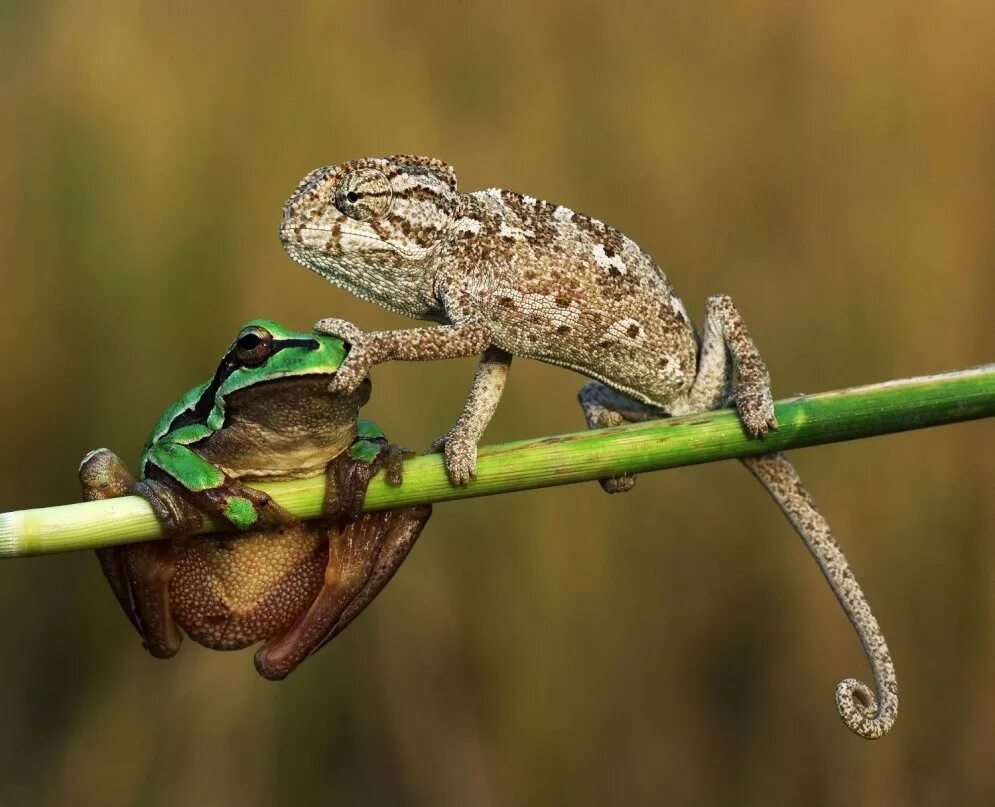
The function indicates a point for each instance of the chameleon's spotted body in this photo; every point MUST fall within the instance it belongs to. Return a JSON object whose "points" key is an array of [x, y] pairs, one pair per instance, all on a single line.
{"points": [[551, 284], [600, 305], [508, 274]]}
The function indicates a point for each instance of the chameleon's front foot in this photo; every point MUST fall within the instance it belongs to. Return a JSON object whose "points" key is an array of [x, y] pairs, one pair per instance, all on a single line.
{"points": [[459, 449], [358, 361]]}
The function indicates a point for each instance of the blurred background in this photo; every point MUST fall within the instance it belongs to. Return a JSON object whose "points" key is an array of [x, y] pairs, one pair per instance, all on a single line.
{"points": [[831, 166]]}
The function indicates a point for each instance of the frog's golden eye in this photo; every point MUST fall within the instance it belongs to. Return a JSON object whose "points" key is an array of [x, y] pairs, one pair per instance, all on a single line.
{"points": [[364, 194], [253, 346]]}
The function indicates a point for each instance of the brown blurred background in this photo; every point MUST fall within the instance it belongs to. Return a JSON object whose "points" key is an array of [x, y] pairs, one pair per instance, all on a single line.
{"points": [[831, 168]]}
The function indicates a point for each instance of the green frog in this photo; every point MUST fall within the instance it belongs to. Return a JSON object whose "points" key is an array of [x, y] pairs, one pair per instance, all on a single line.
{"points": [[265, 414]]}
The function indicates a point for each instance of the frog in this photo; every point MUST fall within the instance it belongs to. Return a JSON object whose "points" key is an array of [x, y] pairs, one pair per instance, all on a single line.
{"points": [[268, 577]]}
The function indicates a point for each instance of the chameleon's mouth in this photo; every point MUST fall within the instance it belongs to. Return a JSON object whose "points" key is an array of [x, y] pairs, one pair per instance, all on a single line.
{"points": [[309, 257], [313, 246]]}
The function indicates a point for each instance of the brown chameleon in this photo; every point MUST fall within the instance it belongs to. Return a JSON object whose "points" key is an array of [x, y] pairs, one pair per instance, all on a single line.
{"points": [[508, 274]]}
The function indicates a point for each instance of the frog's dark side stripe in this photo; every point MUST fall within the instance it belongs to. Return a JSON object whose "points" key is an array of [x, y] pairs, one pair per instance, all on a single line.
{"points": [[199, 412]]}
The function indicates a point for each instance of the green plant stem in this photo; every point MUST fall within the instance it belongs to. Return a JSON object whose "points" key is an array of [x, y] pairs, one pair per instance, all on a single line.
{"points": [[807, 420]]}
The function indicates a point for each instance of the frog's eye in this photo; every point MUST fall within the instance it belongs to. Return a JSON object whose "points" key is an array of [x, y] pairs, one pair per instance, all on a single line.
{"points": [[364, 195], [254, 345]]}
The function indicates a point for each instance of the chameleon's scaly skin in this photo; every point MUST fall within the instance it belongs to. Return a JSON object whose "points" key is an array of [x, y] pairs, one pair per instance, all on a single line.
{"points": [[510, 274]]}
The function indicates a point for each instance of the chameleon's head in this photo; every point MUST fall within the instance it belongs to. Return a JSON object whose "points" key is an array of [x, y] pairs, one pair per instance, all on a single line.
{"points": [[357, 222]]}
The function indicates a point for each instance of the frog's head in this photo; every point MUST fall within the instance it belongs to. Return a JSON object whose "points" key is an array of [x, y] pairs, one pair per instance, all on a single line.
{"points": [[370, 223], [279, 379]]}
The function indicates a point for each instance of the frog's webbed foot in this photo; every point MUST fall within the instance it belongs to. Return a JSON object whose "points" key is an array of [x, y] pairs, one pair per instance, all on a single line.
{"points": [[243, 507], [139, 574], [173, 508], [363, 554], [179, 509]]}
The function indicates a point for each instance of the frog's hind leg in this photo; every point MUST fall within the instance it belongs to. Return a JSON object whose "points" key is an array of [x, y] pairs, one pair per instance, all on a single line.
{"points": [[139, 574], [604, 407], [150, 567], [363, 554]]}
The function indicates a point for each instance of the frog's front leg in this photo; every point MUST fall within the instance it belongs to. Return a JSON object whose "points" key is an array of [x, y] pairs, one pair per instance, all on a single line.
{"points": [[180, 480], [349, 474], [139, 574], [363, 555]]}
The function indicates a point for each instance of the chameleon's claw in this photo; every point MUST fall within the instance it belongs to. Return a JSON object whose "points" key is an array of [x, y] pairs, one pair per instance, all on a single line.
{"points": [[342, 328], [350, 375], [460, 452], [756, 410], [607, 419], [618, 484], [356, 365]]}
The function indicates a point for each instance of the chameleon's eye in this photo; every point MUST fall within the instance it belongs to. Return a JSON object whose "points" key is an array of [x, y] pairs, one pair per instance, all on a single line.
{"points": [[364, 194], [254, 345]]}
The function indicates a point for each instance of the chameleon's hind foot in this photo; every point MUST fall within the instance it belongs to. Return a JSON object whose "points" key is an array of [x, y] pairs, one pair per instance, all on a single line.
{"points": [[756, 410]]}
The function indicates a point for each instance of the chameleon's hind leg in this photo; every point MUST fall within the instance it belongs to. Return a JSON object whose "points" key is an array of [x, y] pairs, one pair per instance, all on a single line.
{"points": [[728, 350], [604, 407]]}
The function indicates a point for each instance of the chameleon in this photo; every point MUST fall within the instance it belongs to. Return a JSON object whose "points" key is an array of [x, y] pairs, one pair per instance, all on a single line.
{"points": [[507, 274]]}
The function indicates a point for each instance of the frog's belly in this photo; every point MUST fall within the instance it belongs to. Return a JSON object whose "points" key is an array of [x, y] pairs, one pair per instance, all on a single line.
{"points": [[233, 590], [651, 357]]}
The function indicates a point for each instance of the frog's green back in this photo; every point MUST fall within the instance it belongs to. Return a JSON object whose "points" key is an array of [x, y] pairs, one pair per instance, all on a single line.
{"points": [[185, 403], [295, 353]]}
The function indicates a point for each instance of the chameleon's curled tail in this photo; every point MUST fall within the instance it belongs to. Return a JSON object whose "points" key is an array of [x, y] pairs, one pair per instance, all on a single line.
{"points": [[869, 714]]}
